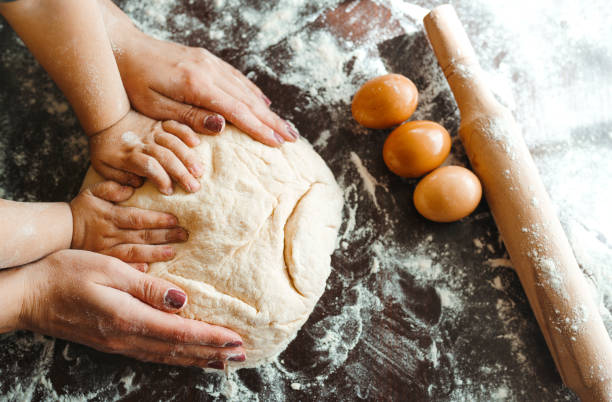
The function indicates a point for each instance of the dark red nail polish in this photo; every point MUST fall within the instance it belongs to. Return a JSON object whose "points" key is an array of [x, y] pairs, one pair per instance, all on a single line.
{"points": [[175, 298], [183, 235], [266, 99], [218, 365], [214, 123], [233, 344], [237, 358]]}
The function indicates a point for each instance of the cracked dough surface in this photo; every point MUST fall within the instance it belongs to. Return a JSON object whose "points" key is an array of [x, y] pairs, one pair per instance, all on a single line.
{"points": [[261, 231]]}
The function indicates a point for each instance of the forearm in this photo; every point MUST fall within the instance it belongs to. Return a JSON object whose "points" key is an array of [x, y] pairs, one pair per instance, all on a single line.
{"points": [[119, 27], [69, 40], [30, 231]]}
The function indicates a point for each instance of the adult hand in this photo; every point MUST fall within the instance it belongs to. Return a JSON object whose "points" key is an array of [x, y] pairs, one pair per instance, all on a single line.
{"points": [[168, 81], [131, 234], [101, 302]]}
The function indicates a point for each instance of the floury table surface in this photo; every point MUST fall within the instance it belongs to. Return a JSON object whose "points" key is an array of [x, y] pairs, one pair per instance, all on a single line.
{"points": [[413, 310]]}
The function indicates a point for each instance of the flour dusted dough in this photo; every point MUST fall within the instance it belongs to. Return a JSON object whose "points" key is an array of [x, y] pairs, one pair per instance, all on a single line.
{"points": [[261, 231]]}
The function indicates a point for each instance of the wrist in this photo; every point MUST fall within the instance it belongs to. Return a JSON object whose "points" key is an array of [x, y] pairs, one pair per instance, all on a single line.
{"points": [[13, 286], [66, 225]]}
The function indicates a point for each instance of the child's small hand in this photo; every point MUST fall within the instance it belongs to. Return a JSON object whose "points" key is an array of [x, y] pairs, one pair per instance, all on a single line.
{"points": [[137, 147], [131, 234]]}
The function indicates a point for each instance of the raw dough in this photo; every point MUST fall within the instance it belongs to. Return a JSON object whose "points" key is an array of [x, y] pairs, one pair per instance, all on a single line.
{"points": [[261, 231]]}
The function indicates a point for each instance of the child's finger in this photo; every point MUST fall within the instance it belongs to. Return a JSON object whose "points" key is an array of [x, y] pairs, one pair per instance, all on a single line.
{"points": [[111, 191], [140, 253], [139, 266], [147, 166], [182, 131], [201, 120], [117, 175], [153, 236], [136, 218], [174, 167], [181, 150]]}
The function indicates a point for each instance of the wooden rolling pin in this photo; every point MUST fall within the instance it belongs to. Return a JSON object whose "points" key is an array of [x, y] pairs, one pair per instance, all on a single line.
{"points": [[559, 294]]}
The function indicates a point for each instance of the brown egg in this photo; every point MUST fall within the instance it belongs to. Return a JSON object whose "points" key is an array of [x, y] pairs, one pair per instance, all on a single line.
{"points": [[447, 194], [385, 101], [416, 147]]}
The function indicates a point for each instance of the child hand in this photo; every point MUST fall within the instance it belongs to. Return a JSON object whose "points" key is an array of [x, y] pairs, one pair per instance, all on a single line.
{"points": [[168, 81], [137, 147], [131, 234]]}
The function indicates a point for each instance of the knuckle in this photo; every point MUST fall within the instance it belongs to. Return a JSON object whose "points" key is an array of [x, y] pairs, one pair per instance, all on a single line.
{"points": [[190, 115], [134, 220], [130, 253], [147, 236]]}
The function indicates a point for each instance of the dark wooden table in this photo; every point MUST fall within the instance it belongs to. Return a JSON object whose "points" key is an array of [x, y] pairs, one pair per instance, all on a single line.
{"points": [[414, 310]]}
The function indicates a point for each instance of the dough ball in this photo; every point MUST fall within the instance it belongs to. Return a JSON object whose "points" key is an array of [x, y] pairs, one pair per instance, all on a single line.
{"points": [[416, 147], [261, 231], [447, 194], [385, 101]]}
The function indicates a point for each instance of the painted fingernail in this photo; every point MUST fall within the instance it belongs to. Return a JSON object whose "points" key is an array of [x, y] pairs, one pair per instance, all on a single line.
{"points": [[218, 365], [266, 99], [233, 344], [237, 358], [175, 298], [183, 235], [292, 131], [278, 138], [214, 123]]}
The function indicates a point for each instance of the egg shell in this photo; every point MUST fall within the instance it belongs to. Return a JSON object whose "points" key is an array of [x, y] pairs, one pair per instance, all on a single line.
{"points": [[416, 147], [385, 101], [447, 194]]}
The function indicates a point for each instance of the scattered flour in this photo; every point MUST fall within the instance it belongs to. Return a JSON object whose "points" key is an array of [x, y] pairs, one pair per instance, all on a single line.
{"points": [[380, 283]]}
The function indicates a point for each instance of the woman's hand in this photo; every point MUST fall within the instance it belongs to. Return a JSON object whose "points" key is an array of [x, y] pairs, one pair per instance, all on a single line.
{"points": [[131, 234], [101, 302], [168, 81], [137, 147]]}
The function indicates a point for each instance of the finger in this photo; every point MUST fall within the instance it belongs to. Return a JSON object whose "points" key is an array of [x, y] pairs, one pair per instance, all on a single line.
{"points": [[111, 191], [173, 166], [240, 115], [140, 253], [117, 175], [136, 218], [181, 150], [153, 317], [200, 120], [147, 166], [153, 236], [154, 348], [182, 131], [176, 361], [260, 110], [140, 266]]}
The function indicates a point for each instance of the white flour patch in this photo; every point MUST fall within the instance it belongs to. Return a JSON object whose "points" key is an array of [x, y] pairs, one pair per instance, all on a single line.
{"points": [[130, 138], [369, 182]]}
